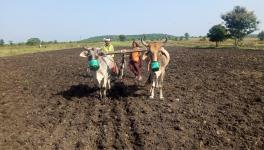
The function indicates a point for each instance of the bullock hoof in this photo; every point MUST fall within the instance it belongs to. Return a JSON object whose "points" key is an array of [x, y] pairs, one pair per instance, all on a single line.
{"points": [[105, 99], [101, 97], [162, 98], [151, 97]]}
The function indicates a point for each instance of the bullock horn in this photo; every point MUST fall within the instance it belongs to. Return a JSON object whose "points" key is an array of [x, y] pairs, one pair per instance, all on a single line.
{"points": [[143, 42], [87, 48], [166, 39]]}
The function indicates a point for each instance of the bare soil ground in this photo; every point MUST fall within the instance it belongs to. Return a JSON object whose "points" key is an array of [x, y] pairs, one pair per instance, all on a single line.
{"points": [[47, 101]]}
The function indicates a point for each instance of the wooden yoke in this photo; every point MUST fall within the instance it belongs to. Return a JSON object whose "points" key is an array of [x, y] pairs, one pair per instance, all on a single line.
{"points": [[124, 51]]}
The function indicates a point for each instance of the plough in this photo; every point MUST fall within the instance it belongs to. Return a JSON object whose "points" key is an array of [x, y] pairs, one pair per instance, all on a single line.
{"points": [[122, 51]]}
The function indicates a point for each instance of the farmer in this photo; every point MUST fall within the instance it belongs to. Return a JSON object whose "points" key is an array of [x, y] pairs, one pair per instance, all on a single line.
{"points": [[135, 61], [108, 47]]}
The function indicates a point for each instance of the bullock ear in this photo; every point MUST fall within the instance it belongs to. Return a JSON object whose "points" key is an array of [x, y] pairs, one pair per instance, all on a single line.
{"points": [[84, 54]]}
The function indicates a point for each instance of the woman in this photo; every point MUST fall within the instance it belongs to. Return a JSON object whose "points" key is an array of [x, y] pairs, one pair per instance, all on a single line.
{"points": [[135, 61]]}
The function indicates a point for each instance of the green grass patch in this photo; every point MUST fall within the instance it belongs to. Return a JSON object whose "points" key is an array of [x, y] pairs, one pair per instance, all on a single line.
{"points": [[24, 49]]}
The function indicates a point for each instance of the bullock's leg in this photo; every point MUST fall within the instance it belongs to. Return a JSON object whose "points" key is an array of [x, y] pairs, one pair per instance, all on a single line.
{"points": [[150, 78], [89, 73], [122, 67], [100, 90], [103, 92], [157, 80], [161, 84], [152, 89], [100, 85], [100, 94], [104, 86], [109, 84]]}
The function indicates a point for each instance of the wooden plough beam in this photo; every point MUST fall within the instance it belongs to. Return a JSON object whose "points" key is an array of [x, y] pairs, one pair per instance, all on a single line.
{"points": [[124, 51]]}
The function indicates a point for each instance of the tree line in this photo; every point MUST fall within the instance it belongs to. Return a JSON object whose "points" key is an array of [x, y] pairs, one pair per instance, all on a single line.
{"points": [[150, 37], [38, 41], [2, 42], [123, 37], [30, 41]]}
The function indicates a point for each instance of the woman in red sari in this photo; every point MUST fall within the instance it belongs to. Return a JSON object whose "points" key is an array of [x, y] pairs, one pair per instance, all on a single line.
{"points": [[135, 61]]}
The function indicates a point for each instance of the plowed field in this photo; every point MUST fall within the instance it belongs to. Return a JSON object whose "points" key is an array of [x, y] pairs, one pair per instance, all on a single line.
{"points": [[214, 99]]}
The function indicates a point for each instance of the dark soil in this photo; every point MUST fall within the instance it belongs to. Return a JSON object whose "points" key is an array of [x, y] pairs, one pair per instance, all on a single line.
{"points": [[214, 99]]}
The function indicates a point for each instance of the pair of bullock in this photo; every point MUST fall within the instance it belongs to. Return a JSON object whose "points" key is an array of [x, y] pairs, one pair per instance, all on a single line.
{"points": [[158, 58]]}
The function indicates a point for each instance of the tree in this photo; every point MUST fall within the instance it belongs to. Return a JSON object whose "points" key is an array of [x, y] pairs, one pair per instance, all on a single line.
{"points": [[122, 37], [240, 22], [203, 38], [2, 42], [186, 36], [33, 41], [261, 36], [181, 38], [10, 42], [217, 33]]}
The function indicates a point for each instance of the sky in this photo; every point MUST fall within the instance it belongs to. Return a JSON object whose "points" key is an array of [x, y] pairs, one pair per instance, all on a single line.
{"points": [[69, 20]]}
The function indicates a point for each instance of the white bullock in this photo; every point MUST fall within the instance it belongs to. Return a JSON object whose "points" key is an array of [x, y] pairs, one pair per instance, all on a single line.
{"points": [[159, 59], [100, 67]]}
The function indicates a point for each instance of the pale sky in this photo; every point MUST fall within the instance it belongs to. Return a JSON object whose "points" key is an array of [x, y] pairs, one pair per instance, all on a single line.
{"points": [[66, 20]]}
